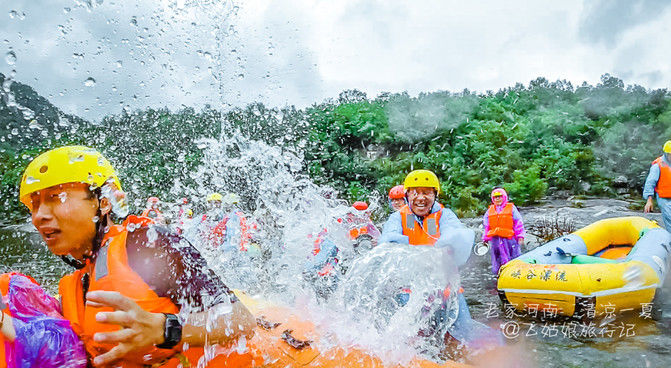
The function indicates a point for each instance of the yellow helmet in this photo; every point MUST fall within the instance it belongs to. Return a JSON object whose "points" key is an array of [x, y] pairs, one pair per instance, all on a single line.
{"points": [[231, 198], [667, 147], [68, 164], [214, 197], [421, 178]]}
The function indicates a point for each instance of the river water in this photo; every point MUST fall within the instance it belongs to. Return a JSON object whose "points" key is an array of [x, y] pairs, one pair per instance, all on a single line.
{"points": [[628, 341]]}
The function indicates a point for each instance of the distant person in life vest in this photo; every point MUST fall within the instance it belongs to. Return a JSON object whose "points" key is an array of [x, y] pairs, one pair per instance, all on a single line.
{"points": [[658, 183], [424, 221], [153, 211], [503, 229]]}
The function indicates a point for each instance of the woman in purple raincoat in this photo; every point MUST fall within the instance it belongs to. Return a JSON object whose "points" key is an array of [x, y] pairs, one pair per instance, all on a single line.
{"points": [[503, 229]]}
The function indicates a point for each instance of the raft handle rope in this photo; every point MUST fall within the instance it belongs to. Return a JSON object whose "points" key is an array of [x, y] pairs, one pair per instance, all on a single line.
{"points": [[265, 324], [294, 342]]}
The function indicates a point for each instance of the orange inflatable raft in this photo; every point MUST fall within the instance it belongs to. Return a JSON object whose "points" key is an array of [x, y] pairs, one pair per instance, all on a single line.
{"points": [[284, 340]]}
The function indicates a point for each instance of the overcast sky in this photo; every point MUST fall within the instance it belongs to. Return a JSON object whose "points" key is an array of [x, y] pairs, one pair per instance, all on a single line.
{"points": [[194, 52]]}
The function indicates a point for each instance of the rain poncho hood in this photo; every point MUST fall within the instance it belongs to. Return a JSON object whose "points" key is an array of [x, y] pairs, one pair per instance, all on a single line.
{"points": [[504, 195]]}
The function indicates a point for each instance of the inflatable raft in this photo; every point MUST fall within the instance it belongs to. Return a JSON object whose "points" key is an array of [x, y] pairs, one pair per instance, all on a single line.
{"points": [[612, 265], [284, 340], [281, 339]]}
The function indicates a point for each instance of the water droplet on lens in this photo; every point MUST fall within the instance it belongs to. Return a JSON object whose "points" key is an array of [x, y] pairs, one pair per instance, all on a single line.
{"points": [[90, 82], [17, 15], [10, 58]]}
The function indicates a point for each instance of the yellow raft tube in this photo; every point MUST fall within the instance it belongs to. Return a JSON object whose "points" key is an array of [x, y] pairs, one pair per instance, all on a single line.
{"points": [[612, 265]]}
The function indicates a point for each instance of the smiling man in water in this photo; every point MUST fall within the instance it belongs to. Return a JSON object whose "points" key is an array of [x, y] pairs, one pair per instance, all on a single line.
{"points": [[424, 221]]}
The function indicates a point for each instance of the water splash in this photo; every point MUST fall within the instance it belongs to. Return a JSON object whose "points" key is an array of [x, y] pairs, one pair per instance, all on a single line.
{"points": [[291, 211]]}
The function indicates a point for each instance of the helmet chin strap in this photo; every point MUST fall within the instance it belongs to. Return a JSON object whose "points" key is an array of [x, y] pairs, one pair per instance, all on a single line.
{"points": [[73, 262]]}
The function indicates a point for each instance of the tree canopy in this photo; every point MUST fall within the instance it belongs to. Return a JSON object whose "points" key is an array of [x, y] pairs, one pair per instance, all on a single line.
{"points": [[535, 140]]}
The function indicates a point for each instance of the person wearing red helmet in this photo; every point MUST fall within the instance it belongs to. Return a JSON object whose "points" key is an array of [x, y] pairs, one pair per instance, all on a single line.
{"points": [[152, 210], [361, 206], [361, 226], [397, 197]]}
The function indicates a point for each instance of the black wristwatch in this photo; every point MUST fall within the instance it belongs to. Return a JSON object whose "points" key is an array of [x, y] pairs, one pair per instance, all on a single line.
{"points": [[172, 333]]}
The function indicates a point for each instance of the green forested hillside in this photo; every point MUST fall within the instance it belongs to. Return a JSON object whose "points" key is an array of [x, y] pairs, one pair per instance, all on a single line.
{"points": [[539, 139]]}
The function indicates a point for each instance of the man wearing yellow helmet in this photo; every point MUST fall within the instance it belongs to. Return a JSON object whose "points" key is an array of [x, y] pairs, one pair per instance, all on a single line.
{"points": [[424, 221], [658, 184], [131, 279]]}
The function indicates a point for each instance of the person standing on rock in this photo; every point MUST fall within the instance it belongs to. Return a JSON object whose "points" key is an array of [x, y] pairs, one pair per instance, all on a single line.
{"points": [[658, 183], [503, 229]]}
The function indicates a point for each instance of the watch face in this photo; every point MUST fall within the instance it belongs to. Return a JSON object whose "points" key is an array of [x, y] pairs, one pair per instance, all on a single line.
{"points": [[173, 331]]}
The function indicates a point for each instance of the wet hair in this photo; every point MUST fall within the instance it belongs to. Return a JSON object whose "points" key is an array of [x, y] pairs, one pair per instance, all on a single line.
{"points": [[93, 194]]}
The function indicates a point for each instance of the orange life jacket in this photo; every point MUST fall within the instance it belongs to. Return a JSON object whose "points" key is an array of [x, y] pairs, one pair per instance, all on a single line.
{"points": [[663, 187], [217, 233], [425, 234], [501, 223], [246, 229], [357, 232], [111, 272], [317, 243]]}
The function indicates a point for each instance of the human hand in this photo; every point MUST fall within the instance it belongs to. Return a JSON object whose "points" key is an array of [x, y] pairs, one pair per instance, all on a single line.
{"points": [[648, 206], [520, 241], [140, 329], [7, 326]]}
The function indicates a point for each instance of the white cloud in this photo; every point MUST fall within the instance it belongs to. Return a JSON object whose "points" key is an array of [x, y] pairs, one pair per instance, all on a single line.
{"points": [[191, 53]]}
